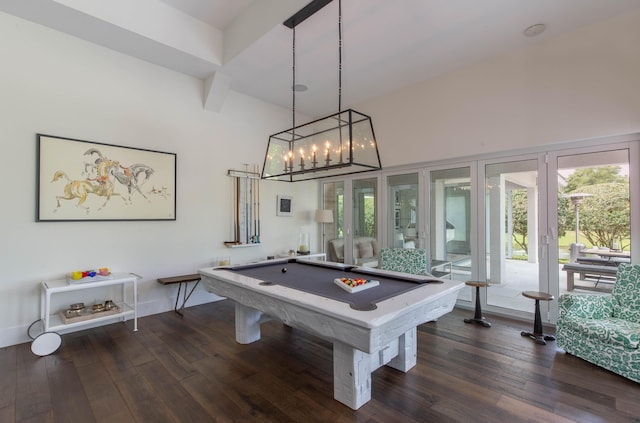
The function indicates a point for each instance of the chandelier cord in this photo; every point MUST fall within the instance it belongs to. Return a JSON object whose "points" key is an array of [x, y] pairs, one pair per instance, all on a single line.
{"points": [[293, 86], [339, 56]]}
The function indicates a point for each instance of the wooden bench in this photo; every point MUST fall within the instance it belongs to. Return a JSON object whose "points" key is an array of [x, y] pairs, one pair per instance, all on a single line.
{"points": [[184, 279], [604, 261], [586, 270], [599, 261]]}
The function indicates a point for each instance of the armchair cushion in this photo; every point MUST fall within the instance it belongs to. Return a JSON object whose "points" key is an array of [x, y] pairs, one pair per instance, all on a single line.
{"points": [[611, 331], [365, 251], [405, 260], [627, 292], [586, 306]]}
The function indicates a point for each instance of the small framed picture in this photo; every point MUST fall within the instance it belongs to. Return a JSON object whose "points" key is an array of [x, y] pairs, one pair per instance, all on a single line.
{"points": [[284, 205]]}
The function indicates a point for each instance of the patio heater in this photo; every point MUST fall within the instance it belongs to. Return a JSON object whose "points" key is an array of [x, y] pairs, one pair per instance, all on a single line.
{"points": [[576, 199]]}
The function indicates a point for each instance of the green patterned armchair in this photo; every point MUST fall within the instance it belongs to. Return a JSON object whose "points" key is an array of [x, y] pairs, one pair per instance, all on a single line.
{"points": [[605, 329], [406, 260]]}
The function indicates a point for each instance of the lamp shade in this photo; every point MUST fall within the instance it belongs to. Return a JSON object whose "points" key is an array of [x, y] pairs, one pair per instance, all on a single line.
{"points": [[324, 216], [339, 144]]}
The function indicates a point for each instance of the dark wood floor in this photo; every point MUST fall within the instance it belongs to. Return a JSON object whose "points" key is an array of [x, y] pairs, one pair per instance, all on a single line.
{"points": [[191, 370]]}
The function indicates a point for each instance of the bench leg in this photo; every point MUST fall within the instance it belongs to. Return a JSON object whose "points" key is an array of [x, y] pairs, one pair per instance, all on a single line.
{"points": [[185, 297], [570, 281]]}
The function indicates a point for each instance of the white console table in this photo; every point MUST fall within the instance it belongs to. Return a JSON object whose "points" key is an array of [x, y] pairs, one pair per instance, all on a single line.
{"points": [[128, 304], [50, 321]]}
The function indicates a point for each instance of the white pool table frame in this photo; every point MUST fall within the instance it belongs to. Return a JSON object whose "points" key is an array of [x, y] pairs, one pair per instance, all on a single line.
{"points": [[362, 340]]}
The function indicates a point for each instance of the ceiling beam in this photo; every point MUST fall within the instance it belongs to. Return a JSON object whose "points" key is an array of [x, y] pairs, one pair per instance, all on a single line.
{"points": [[306, 12], [255, 22]]}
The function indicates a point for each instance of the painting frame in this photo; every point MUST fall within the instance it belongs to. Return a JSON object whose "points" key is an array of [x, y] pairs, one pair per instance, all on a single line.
{"points": [[284, 205], [79, 180]]}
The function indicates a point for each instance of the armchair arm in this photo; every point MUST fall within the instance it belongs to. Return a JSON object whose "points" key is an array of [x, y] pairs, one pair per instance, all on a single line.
{"points": [[587, 306]]}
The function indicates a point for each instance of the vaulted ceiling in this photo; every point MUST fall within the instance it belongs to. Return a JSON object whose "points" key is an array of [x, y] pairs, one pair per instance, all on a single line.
{"points": [[242, 44]]}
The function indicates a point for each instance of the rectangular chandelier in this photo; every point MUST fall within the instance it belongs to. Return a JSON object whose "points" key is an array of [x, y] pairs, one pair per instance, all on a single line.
{"points": [[339, 144]]}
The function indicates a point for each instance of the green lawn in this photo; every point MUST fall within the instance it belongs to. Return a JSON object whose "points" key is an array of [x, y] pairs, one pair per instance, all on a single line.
{"points": [[570, 237], [565, 241]]}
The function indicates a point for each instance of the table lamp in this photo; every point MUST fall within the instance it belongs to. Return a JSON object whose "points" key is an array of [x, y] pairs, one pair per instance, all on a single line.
{"points": [[324, 216]]}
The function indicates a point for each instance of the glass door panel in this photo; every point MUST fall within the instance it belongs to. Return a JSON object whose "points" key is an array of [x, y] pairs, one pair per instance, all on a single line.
{"points": [[450, 223], [333, 233], [594, 218], [402, 228], [511, 221], [365, 247]]}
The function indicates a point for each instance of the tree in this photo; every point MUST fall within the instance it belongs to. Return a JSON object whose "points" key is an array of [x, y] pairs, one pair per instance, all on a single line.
{"points": [[605, 216], [592, 176], [519, 217], [369, 216]]}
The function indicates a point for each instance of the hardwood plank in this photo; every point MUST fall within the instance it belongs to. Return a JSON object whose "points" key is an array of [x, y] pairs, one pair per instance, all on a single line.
{"points": [[108, 353], [8, 384], [213, 398], [181, 404], [131, 347], [68, 399], [33, 401], [143, 401], [104, 398], [180, 345], [8, 377], [8, 413], [531, 412], [172, 362]]}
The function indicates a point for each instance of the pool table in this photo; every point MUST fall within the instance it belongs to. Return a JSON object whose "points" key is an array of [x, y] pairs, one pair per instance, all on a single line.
{"points": [[368, 329]]}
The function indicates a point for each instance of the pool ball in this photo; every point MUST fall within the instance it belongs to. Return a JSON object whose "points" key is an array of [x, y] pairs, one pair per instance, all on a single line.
{"points": [[284, 270]]}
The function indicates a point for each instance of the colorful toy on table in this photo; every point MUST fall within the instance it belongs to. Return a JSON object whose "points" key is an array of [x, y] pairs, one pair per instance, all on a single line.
{"points": [[79, 274]]}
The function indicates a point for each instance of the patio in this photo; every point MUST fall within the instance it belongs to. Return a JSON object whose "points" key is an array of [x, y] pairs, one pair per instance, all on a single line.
{"points": [[523, 276]]}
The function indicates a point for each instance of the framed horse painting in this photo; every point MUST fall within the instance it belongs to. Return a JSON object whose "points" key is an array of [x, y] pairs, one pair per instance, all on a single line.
{"points": [[83, 180]]}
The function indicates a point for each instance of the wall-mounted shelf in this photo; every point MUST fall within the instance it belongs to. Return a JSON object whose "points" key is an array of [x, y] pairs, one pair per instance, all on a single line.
{"points": [[257, 244]]}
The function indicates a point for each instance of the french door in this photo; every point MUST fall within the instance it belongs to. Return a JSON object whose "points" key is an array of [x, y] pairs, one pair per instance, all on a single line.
{"points": [[594, 220], [533, 225], [510, 220], [452, 218], [515, 247], [353, 236]]}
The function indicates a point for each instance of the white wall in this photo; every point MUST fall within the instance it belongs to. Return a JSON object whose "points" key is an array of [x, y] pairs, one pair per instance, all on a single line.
{"points": [[55, 84], [583, 84]]}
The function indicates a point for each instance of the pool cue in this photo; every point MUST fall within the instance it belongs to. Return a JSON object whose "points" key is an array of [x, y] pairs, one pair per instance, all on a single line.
{"points": [[236, 206], [255, 207], [235, 209], [246, 205], [258, 209]]}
